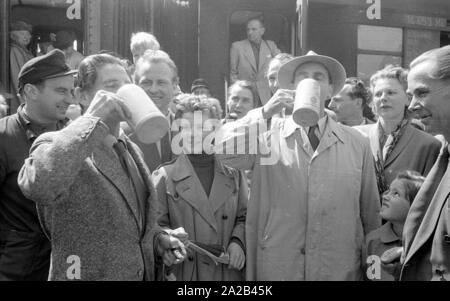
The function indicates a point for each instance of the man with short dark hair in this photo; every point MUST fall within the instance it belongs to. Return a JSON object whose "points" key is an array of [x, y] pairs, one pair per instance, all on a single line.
{"points": [[249, 59], [46, 84], [351, 103]]}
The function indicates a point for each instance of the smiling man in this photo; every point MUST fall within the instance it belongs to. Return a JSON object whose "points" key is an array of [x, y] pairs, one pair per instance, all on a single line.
{"points": [[46, 84], [157, 74], [426, 233]]}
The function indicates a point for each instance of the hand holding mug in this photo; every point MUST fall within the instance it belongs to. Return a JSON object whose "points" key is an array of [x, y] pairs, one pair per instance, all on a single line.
{"points": [[283, 98], [109, 107]]}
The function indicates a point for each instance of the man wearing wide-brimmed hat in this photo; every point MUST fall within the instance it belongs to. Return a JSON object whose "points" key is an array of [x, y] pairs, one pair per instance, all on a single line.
{"points": [[314, 196], [46, 85]]}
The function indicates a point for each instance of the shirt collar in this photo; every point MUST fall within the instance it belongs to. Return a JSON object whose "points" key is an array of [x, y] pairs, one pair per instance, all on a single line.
{"points": [[326, 123], [321, 125], [33, 129], [387, 235], [255, 44], [290, 126]]}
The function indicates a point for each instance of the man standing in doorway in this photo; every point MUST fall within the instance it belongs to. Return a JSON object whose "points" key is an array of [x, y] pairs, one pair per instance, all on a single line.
{"points": [[249, 59]]}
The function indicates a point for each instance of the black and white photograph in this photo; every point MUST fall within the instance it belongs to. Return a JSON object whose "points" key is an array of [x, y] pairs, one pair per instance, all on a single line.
{"points": [[236, 143]]}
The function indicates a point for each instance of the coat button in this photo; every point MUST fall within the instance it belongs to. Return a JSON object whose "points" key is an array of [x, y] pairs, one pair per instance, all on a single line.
{"points": [[303, 251], [447, 239], [191, 258], [224, 216]]}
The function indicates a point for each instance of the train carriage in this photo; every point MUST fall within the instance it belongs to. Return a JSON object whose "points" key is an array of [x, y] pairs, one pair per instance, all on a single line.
{"points": [[364, 35]]}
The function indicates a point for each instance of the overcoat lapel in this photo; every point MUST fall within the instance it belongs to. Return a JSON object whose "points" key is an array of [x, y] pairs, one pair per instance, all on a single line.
{"points": [[400, 146], [108, 165], [431, 217], [222, 188], [189, 188]]}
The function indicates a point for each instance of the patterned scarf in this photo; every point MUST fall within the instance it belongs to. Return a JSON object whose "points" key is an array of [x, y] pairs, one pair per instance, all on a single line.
{"points": [[387, 145]]}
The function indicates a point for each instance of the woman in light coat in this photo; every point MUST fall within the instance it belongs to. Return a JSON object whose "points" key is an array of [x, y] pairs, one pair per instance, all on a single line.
{"points": [[208, 200]]}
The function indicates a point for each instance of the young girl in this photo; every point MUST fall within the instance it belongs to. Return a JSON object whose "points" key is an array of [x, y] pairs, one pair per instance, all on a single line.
{"points": [[202, 196], [394, 209]]}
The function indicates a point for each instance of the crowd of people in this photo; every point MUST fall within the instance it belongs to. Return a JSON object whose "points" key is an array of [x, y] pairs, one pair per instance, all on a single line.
{"points": [[82, 198]]}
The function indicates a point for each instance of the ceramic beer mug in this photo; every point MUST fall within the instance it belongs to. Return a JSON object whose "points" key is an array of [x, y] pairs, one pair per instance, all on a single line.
{"points": [[307, 103], [147, 121]]}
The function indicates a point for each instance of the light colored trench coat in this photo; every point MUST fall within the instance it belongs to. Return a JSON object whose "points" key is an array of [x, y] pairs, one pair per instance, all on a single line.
{"points": [[214, 220], [309, 212]]}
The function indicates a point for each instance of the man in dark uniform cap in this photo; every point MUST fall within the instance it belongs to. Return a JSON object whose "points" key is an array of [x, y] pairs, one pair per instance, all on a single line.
{"points": [[46, 84]]}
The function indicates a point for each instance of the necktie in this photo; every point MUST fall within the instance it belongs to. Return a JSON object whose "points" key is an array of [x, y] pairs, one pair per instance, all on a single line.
{"points": [[313, 139], [166, 149], [132, 172]]}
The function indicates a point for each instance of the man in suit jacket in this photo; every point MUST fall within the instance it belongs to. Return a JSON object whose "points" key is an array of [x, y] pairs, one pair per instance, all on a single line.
{"points": [[249, 59], [426, 234], [93, 191], [157, 74]]}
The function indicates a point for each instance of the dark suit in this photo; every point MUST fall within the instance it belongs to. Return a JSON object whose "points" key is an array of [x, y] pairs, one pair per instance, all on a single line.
{"points": [[426, 232], [87, 205]]}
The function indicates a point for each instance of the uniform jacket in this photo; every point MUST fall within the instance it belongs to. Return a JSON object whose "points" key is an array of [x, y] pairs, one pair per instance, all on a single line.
{"points": [[243, 65], [24, 249], [214, 220], [84, 201], [426, 234], [416, 150], [307, 215]]}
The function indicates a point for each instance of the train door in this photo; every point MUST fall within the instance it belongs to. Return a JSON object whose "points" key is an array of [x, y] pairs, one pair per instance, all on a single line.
{"points": [[47, 18], [224, 22]]}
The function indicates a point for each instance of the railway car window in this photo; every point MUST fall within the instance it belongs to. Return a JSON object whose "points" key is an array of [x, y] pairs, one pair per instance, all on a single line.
{"points": [[380, 38], [378, 46], [368, 64], [277, 27], [48, 17]]}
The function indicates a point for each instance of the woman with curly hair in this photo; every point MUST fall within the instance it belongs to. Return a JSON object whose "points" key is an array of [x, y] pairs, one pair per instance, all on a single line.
{"points": [[197, 193]]}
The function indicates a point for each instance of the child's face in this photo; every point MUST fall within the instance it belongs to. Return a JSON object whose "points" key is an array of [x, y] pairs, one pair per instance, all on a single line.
{"points": [[395, 204]]}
